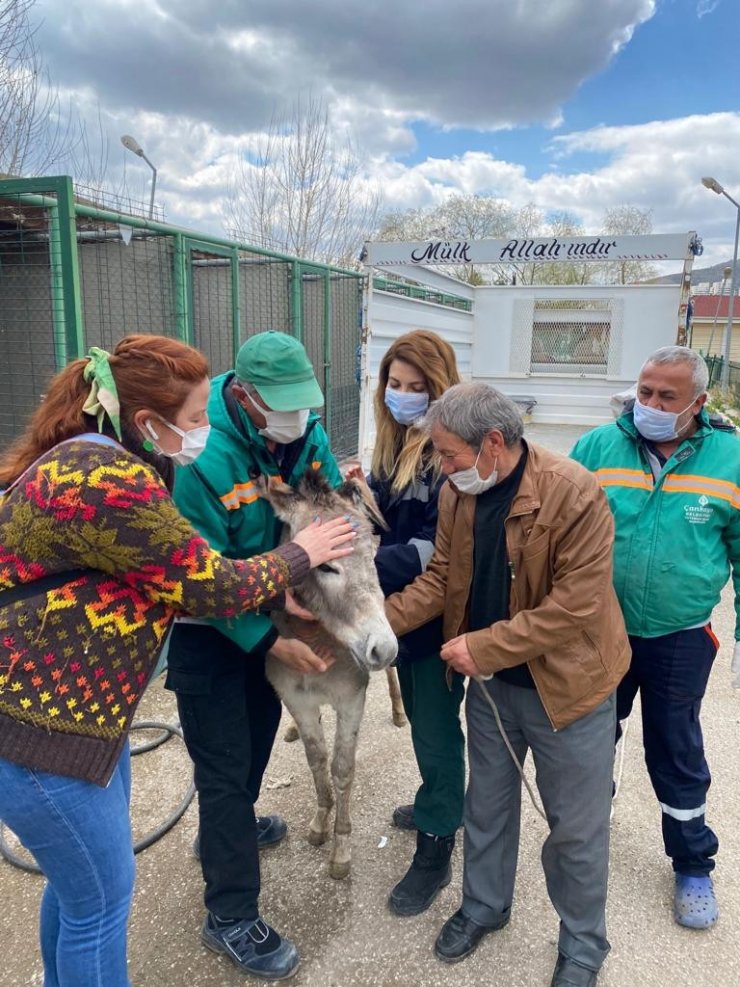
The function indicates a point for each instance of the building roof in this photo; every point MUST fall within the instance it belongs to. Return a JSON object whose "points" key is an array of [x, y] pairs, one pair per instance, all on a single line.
{"points": [[711, 306]]}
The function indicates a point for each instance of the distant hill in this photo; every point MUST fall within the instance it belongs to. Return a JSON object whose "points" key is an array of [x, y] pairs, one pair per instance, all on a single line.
{"points": [[700, 275]]}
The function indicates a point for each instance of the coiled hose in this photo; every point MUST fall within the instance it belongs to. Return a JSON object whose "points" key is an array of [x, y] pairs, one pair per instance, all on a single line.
{"points": [[167, 730]]}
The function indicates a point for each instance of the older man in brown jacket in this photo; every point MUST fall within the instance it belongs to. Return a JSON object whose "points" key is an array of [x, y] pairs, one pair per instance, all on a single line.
{"points": [[522, 572]]}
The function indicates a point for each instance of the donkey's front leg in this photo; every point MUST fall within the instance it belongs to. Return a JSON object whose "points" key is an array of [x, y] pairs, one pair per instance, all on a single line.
{"points": [[308, 721], [394, 691], [349, 717]]}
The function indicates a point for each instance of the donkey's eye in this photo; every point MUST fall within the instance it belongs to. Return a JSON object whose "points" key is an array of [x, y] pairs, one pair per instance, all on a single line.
{"points": [[328, 568]]}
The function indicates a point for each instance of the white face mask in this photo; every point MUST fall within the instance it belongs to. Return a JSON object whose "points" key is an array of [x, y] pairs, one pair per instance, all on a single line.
{"points": [[657, 425], [469, 481], [282, 426], [193, 443]]}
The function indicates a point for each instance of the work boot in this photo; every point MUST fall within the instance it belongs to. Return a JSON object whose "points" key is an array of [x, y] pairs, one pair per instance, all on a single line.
{"points": [[430, 871]]}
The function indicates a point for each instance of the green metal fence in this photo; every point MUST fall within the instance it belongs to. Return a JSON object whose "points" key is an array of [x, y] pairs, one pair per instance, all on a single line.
{"points": [[715, 363], [73, 275]]}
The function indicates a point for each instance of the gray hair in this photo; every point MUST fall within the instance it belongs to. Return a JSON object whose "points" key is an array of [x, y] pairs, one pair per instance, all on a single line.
{"points": [[683, 354], [471, 411]]}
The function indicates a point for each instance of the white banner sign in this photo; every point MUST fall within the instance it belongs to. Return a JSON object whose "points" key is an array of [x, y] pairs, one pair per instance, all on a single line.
{"points": [[528, 250]]}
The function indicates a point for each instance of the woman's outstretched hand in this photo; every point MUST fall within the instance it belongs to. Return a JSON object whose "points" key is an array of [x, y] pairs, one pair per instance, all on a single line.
{"points": [[324, 541], [355, 473]]}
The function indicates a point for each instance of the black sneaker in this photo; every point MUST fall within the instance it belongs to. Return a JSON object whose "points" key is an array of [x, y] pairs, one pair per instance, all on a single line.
{"points": [[270, 831], [253, 946]]}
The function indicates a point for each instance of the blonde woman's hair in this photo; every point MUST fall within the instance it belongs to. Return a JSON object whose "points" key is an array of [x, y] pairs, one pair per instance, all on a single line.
{"points": [[403, 452]]}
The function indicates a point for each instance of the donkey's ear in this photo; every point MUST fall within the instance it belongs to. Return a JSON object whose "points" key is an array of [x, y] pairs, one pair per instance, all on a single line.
{"points": [[315, 488], [282, 497], [358, 493]]}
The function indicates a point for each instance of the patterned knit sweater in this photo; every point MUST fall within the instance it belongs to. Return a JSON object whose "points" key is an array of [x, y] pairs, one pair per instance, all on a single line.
{"points": [[75, 660]]}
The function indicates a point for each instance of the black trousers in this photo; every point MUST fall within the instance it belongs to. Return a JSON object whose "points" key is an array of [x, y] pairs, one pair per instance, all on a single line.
{"points": [[229, 714], [671, 674]]}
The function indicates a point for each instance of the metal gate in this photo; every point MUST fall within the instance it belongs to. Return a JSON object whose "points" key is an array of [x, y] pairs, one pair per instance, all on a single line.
{"points": [[73, 274]]}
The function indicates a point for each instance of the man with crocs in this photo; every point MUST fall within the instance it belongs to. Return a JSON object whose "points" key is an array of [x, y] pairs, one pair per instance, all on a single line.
{"points": [[672, 478]]}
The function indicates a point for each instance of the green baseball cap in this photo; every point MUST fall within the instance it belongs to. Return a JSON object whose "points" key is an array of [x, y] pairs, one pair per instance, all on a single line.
{"points": [[278, 368]]}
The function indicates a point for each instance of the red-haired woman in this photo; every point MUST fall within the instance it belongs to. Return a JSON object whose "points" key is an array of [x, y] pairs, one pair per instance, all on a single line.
{"points": [[95, 561]]}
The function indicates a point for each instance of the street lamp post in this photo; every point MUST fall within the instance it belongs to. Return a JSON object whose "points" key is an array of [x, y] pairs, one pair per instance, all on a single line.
{"points": [[714, 186], [725, 275], [131, 144]]}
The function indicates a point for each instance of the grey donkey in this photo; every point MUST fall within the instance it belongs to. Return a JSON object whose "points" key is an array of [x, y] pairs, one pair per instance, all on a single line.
{"points": [[346, 598]]}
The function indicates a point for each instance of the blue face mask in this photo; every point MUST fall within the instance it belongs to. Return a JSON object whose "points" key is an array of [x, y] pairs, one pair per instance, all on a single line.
{"points": [[406, 408], [657, 425]]}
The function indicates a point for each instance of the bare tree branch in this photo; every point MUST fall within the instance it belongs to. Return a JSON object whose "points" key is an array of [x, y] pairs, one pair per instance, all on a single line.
{"points": [[302, 191], [623, 220], [35, 132]]}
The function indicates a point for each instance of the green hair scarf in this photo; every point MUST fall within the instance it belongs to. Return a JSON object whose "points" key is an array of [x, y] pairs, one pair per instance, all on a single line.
{"points": [[103, 397]]}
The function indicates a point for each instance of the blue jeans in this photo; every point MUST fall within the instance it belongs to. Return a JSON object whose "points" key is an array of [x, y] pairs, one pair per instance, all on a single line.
{"points": [[80, 835]]}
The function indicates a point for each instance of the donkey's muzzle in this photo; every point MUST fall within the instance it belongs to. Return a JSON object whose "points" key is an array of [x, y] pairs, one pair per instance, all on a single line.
{"points": [[379, 647]]}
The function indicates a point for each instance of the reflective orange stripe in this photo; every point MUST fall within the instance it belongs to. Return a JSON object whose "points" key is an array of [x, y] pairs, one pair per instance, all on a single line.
{"points": [[616, 477], [710, 632], [710, 481], [678, 485], [242, 493]]}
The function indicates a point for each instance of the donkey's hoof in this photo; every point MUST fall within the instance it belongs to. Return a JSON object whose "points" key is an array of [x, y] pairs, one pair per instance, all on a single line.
{"points": [[317, 837], [339, 869], [291, 734], [399, 720]]}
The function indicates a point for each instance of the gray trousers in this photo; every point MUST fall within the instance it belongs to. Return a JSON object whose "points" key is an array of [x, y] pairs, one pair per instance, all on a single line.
{"points": [[574, 778]]}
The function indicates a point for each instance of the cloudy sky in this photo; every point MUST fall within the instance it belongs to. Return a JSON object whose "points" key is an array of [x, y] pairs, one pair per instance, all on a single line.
{"points": [[575, 105]]}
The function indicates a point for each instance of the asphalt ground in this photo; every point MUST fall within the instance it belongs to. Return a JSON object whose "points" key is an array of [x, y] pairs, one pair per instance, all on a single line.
{"points": [[344, 932]]}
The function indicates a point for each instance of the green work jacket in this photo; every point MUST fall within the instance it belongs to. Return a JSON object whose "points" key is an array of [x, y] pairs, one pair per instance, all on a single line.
{"points": [[218, 495], [678, 536]]}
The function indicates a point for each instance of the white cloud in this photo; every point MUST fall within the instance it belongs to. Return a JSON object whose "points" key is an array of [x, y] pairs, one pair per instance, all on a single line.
{"points": [[480, 63], [196, 84], [655, 166], [704, 7]]}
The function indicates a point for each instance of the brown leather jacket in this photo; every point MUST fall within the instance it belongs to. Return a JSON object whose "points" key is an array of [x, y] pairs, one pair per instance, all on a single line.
{"points": [[565, 619]]}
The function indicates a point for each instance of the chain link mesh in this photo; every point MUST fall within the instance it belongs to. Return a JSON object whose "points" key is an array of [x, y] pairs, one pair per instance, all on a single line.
{"points": [[127, 284], [567, 336], [125, 287], [27, 351]]}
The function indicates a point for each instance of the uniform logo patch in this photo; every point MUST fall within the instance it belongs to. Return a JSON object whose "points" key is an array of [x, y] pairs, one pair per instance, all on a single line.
{"points": [[699, 514]]}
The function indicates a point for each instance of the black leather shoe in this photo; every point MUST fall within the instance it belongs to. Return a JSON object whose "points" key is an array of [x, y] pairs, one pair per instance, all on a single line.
{"points": [[270, 830], [403, 817], [568, 973], [460, 936], [253, 946]]}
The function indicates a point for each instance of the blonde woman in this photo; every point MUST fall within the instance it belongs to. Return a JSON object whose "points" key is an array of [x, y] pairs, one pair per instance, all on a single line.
{"points": [[405, 479]]}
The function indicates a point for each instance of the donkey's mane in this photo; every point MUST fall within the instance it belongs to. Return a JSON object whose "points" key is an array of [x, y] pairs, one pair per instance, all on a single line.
{"points": [[352, 493], [316, 488]]}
